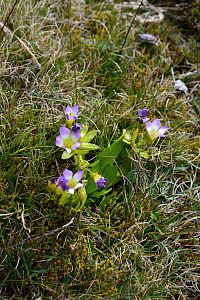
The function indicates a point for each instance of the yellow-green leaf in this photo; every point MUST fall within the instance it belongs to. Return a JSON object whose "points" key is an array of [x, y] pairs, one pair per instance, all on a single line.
{"points": [[89, 136], [66, 155], [88, 146]]}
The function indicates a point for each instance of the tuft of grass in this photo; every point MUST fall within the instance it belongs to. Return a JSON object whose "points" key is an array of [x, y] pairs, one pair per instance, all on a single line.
{"points": [[144, 242]]}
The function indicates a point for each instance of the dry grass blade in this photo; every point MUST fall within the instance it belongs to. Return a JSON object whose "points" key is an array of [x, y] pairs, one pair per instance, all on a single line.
{"points": [[22, 43]]}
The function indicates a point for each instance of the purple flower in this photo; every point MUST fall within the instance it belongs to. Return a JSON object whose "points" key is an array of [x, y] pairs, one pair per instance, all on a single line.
{"points": [[53, 183], [77, 127], [62, 183], [142, 114], [155, 129], [69, 182], [72, 113], [99, 180], [53, 180], [68, 140], [101, 183]]}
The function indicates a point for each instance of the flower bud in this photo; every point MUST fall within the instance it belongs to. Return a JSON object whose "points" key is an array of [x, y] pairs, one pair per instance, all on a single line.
{"points": [[82, 195], [99, 180]]}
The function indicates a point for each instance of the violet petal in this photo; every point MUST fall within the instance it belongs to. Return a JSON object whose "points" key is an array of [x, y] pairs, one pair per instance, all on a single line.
{"points": [[67, 174], [59, 142], [76, 145], [78, 176], [76, 135], [155, 125], [74, 109], [64, 131]]}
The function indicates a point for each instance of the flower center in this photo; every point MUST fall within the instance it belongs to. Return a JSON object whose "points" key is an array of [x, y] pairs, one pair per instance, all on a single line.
{"points": [[154, 133], [68, 143], [72, 183]]}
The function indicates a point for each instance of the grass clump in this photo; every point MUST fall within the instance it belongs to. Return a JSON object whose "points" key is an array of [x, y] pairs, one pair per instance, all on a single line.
{"points": [[140, 241]]}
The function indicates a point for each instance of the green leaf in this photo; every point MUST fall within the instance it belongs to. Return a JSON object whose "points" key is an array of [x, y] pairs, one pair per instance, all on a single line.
{"points": [[88, 146], [81, 151], [66, 155], [101, 193], [108, 155], [94, 164], [89, 136], [103, 165], [112, 152], [91, 186], [110, 173], [84, 130]]}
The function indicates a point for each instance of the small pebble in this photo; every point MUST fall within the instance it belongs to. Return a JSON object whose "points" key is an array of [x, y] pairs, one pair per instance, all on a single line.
{"points": [[180, 85], [148, 38]]}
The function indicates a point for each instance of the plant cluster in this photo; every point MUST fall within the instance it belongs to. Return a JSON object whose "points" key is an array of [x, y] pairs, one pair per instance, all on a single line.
{"points": [[97, 178]]}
